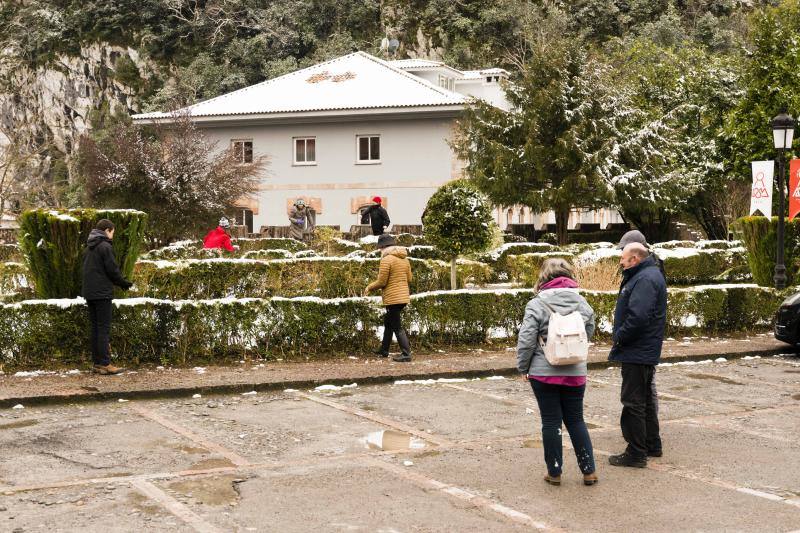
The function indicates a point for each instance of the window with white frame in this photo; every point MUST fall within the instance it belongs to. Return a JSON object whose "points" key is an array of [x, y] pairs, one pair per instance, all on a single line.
{"points": [[368, 148], [447, 82], [305, 150], [242, 150]]}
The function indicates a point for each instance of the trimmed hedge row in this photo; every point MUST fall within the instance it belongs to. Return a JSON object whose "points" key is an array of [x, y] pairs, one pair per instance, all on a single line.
{"points": [[36, 334], [10, 253], [321, 276], [193, 249]]}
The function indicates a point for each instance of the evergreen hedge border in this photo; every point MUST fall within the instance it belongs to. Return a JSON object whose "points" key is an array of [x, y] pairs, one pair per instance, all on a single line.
{"points": [[46, 333], [760, 237], [53, 242]]}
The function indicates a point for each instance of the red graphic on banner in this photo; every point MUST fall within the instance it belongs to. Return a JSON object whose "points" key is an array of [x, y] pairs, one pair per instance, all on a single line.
{"points": [[794, 188], [759, 187]]}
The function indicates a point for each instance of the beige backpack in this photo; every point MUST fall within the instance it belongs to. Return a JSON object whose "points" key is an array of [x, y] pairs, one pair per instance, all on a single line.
{"points": [[567, 343]]}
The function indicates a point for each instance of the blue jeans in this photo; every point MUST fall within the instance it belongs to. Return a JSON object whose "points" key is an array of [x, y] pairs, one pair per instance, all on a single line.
{"points": [[557, 404]]}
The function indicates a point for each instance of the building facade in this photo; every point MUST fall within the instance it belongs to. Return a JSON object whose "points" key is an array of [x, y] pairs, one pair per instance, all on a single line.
{"points": [[342, 132]]}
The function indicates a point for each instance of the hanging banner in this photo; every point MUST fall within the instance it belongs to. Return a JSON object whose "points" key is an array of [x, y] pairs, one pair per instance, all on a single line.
{"points": [[761, 194], [794, 188]]}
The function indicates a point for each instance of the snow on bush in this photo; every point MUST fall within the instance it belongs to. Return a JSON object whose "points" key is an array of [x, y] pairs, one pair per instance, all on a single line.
{"points": [[34, 334]]}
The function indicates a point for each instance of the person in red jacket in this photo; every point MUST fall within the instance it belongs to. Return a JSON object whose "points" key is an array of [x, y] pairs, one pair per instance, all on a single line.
{"points": [[219, 237]]}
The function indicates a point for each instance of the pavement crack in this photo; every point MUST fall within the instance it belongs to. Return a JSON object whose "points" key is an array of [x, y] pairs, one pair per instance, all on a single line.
{"points": [[76, 461]]}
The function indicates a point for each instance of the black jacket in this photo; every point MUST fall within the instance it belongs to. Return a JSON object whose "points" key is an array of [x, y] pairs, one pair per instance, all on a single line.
{"points": [[641, 315], [100, 270], [376, 216]]}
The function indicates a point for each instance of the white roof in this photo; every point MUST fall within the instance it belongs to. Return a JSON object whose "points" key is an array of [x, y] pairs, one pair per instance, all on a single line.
{"points": [[352, 82], [415, 63], [478, 74]]}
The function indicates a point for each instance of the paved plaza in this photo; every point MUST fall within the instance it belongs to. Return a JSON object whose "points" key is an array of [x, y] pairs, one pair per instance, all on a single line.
{"points": [[443, 455]]}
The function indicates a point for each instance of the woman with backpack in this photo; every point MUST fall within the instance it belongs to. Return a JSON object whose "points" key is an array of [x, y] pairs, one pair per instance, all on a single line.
{"points": [[556, 366]]}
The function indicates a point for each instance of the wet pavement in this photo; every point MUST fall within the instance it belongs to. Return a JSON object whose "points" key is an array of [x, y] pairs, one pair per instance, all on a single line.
{"points": [[413, 455]]}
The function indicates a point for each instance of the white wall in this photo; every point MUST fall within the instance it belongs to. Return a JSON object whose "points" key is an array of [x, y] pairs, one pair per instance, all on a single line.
{"points": [[489, 92], [415, 161]]}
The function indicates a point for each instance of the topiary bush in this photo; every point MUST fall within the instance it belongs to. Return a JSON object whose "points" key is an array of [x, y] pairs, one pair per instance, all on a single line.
{"points": [[759, 236], [53, 242], [40, 334], [458, 221], [326, 277]]}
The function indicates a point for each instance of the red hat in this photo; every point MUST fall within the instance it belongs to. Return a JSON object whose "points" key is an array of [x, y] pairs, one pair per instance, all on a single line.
{"points": [[377, 199]]}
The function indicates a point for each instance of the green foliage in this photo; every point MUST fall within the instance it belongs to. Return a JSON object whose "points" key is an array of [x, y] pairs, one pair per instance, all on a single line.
{"points": [[322, 277], [53, 243], [458, 220], [759, 236], [771, 84], [191, 249], [547, 151], [55, 333]]}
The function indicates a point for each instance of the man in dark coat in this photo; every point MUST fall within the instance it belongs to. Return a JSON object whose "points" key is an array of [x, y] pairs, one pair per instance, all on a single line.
{"points": [[376, 216], [100, 274], [639, 321]]}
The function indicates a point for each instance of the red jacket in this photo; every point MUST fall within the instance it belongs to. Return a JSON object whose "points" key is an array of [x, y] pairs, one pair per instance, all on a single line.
{"points": [[217, 238]]}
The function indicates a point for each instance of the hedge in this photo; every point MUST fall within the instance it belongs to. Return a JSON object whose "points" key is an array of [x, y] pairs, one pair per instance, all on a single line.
{"points": [[53, 242], [759, 235], [10, 253], [36, 333], [193, 249], [525, 268], [329, 277], [13, 278]]}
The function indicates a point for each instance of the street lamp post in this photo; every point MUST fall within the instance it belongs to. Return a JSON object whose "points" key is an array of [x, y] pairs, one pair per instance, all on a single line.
{"points": [[782, 133]]}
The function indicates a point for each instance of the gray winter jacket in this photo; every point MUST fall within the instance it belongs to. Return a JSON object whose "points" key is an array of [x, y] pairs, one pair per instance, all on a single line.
{"points": [[530, 357]]}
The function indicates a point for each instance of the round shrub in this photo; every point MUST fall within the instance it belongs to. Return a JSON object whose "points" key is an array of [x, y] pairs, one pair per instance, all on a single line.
{"points": [[53, 242]]}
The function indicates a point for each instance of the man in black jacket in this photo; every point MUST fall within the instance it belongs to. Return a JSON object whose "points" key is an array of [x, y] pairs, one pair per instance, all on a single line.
{"points": [[100, 274], [639, 321], [376, 216]]}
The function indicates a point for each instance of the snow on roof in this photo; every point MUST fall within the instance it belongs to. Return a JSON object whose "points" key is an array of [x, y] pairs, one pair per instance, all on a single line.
{"points": [[351, 82]]}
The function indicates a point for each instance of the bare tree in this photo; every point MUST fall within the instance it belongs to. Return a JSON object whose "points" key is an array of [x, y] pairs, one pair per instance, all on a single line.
{"points": [[19, 168], [170, 171]]}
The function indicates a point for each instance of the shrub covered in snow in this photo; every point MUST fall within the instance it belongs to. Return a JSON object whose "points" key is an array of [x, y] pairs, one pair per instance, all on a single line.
{"points": [[53, 242], [193, 249], [14, 279], [525, 268], [36, 334], [327, 277]]}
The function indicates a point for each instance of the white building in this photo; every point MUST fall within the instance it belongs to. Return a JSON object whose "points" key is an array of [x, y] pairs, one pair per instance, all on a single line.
{"points": [[341, 132]]}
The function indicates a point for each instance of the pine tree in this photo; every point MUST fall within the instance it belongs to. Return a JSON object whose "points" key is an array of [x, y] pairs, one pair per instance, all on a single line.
{"points": [[546, 152]]}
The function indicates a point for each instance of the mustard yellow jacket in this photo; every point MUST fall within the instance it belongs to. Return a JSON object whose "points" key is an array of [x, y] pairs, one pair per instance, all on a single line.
{"points": [[394, 276]]}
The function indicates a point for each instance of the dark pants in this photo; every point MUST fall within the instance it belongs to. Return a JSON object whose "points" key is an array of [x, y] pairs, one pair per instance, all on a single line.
{"points": [[392, 325], [557, 404], [377, 231], [100, 318], [639, 419]]}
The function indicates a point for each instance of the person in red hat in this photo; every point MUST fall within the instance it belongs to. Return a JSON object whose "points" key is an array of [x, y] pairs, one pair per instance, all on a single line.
{"points": [[376, 216]]}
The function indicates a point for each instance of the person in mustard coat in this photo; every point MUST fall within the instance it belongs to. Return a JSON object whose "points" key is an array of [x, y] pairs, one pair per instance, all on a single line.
{"points": [[394, 277]]}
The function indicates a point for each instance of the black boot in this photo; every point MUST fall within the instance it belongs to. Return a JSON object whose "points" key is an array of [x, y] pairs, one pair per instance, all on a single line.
{"points": [[380, 352], [405, 347], [626, 459]]}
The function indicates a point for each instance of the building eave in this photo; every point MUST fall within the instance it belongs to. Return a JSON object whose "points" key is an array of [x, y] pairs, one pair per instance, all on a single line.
{"points": [[348, 115]]}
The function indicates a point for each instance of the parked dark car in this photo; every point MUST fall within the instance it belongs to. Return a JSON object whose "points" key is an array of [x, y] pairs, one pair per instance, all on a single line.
{"points": [[787, 320]]}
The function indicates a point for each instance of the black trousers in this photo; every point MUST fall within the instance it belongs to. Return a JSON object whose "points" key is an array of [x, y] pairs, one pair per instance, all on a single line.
{"points": [[392, 325], [100, 319], [377, 231], [639, 419]]}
